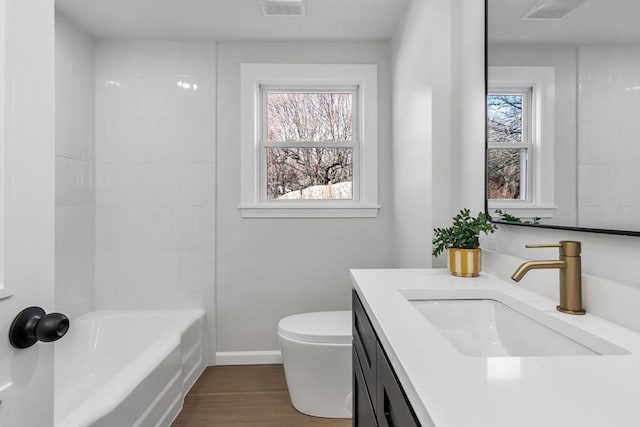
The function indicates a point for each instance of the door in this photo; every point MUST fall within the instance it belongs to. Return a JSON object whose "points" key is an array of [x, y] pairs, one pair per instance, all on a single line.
{"points": [[26, 204]]}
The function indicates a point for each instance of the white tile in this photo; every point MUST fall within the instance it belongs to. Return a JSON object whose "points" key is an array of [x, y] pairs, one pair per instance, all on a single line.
{"points": [[71, 131], [107, 230], [116, 300], [75, 230], [590, 146], [187, 141], [107, 271], [198, 98], [145, 228], [74, 182], [104, 153], [134, 140], [171, 300], [197, 228], [104, 299], [138, 185], [170, 188], [198, 270], [155, 149], [74, 284], [150, 270], [106, 184], [197, 185]]}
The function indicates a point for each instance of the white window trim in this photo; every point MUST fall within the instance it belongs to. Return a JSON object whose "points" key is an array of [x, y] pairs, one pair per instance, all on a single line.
{"points": [[362, 76], [540, 200]]}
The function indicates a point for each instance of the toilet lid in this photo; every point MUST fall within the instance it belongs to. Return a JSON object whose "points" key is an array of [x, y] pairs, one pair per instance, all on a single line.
{"points": [[322, 327]]}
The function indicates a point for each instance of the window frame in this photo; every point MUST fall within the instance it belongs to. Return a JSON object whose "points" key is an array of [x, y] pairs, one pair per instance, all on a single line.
{"points": [[527, 162], [256, 81], [540, 181]]}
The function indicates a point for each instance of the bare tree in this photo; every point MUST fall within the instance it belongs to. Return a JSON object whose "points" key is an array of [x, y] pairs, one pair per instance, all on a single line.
{"points": [[504, 124], [310, 122]]}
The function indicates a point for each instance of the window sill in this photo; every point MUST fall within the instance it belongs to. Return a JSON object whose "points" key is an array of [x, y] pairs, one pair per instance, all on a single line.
{"points": [[306, 211], [523, 210]]}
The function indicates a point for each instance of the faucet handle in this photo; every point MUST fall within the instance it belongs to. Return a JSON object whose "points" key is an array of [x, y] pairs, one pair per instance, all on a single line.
{"points": [[543, 245], [567, 247]]}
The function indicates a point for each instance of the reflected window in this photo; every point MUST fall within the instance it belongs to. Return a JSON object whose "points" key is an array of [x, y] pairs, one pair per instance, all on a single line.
{"points": [[520, 142], [509, 143]]}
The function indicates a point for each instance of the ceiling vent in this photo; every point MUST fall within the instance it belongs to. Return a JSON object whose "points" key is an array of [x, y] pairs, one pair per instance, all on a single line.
{"points": [[282, 7], [551, 9]]}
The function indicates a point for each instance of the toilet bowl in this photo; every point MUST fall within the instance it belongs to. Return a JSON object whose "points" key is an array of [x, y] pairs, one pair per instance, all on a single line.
{"points": [[316, 354]]}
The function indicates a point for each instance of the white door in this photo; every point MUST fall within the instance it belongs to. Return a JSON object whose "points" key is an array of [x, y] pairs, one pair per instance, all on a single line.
{"points": [[26, 204]]}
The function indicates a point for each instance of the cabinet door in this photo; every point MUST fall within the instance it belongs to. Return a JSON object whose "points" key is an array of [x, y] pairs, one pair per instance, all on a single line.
{"points": [[365, 342], [363, 415], [392, 407]]}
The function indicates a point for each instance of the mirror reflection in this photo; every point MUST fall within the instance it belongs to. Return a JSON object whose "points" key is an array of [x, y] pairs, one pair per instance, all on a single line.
{"points": [[563, 113]]}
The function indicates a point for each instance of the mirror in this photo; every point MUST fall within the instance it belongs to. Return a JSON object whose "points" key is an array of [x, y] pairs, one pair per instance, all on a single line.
{"points": [[563, 114]]}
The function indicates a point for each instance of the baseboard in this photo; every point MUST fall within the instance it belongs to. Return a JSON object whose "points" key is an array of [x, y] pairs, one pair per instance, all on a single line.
{"points": [[248, 357]]}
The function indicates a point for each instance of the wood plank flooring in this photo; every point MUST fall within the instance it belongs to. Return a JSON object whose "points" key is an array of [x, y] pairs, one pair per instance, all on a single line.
{"points": [[245, 396]]}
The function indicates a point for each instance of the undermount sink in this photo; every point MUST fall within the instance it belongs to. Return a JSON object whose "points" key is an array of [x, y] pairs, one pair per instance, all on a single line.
{"points": [[486, 327]]}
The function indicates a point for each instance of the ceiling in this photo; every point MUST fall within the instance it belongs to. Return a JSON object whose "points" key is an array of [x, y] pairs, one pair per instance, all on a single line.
{"points": [[593, 22], [234, 20]]}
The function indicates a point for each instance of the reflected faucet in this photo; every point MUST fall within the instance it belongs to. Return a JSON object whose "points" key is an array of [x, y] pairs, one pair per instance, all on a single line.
{"points": [[570, 268]]}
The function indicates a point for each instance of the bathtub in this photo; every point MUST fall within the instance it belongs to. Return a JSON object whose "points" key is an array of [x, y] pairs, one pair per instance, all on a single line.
{"points": [[127, 368]]}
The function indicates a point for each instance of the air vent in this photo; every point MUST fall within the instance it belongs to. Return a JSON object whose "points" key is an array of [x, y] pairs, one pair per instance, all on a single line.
{"points": [[282, 7], [551, 9]]}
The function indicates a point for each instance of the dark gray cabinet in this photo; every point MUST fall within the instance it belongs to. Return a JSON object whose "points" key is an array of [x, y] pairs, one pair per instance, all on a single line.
{"points": [[378, 398]]}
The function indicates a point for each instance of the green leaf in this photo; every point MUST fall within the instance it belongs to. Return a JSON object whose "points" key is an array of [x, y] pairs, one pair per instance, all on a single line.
{"points": [[464, 233]]}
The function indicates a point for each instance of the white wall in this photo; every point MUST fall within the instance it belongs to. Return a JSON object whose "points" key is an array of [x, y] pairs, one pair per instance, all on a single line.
{"points": [[564, 61], [609, 155], [155, 174], [75, 167], [468, 141], [437, 129], [421, 130], [270, 268]]}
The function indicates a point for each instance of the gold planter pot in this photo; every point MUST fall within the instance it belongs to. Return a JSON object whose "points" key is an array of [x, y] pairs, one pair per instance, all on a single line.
{"points": [[464, 262]]}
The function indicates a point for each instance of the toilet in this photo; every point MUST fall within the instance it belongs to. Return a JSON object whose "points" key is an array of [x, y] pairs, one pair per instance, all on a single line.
{"points": [[316, 354]]}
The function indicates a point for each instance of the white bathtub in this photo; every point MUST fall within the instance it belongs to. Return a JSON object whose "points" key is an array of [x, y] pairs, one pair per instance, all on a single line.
{"points": [[127, 368]]}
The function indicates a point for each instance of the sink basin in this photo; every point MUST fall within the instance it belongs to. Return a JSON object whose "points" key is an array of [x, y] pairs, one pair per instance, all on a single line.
{"points": [[491, 328]]}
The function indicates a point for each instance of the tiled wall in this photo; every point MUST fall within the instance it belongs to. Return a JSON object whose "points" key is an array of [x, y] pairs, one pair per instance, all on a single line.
{"points": [[75, 189], [155, 147], [609, 133], [563, 59]]}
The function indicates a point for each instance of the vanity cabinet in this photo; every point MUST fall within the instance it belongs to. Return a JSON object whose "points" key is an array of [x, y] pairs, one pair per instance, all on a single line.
{"points": [[378, 398]]}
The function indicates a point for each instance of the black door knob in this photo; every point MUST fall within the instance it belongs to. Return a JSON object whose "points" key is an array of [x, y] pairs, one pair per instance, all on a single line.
{"points": [[32, 325]]}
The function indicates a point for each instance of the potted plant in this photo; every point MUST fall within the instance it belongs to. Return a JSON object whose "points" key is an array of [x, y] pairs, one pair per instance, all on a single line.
{"points": [[462, 241]]}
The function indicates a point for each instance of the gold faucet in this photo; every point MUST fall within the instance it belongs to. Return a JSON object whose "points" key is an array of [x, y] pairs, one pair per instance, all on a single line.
{"points": [[570, 269]]}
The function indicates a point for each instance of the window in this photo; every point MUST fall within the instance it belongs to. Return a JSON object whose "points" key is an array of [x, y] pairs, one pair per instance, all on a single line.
{"points": [[309, 140], [509, 145], [520, 141], [308, 143]]}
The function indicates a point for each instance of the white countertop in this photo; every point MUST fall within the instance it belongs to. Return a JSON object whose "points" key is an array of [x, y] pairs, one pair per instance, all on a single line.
{"points": [[449, 389]]}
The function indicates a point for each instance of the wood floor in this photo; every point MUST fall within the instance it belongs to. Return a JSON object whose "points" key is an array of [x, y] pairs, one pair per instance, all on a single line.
{"points": [[239, 396]]}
